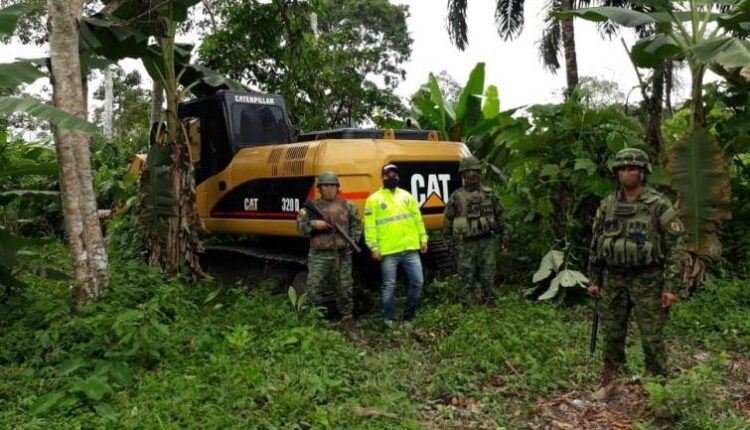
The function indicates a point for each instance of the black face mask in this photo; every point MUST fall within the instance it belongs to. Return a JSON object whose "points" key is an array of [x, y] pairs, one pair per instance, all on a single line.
{"points": [[390, 183], [471, 180]]}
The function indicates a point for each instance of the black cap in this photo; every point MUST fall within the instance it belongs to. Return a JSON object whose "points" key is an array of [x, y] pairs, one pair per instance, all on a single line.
{"points": [[388, 167]]}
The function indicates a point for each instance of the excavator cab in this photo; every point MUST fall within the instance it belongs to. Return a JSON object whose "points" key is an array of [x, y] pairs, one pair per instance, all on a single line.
{"points": [[224, 123]]}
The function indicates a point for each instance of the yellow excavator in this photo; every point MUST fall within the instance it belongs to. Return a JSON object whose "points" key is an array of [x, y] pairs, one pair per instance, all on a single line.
{"points": [[253, 172]]}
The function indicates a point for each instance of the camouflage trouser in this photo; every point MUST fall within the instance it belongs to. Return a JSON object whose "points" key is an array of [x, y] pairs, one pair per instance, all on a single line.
{"points": [[476, 264], [641, 291], [329, 279]]}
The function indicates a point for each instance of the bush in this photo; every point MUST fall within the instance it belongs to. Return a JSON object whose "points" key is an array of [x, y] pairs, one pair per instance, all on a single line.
{"points": [[696, 399], [718, 315]]}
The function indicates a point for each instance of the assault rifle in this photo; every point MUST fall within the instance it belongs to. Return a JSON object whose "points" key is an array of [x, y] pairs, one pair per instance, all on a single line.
{"points": [[594, 328], [337, 228]]}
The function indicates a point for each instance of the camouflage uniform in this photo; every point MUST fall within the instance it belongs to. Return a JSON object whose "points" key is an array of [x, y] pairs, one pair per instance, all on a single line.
{"points": [[635, 255], [329, 263], [473, 219]]}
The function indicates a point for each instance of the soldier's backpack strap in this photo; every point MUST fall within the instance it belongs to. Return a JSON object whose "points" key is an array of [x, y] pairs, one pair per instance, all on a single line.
{"points": [[609, 207]]}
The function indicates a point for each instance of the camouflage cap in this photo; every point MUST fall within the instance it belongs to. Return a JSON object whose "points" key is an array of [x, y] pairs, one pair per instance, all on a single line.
{"points": [[632, 157], [328, 178], [469, 163]]}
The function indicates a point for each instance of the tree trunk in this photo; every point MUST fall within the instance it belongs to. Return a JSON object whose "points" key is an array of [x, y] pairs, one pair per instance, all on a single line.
{"points": [[654, 109], [668, 86], [157, 101], [175, 240], [569, 46], [76, 185], [108, 101], [697, 116]]}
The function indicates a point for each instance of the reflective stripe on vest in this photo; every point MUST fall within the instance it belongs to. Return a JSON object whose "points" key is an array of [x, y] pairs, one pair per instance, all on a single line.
{"points": [[393, 219]]}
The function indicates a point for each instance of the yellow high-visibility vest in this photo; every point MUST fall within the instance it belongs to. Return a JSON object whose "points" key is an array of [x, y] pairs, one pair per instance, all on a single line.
{"points": [[393, 222]]}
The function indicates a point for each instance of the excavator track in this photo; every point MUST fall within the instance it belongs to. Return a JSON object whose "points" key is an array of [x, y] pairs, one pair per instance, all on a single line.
{"points": [[259, 252], [253, 264], [442, 257]]}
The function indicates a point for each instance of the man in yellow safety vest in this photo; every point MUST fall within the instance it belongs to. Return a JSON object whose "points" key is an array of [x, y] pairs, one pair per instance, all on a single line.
{"points": [[394, 232]]}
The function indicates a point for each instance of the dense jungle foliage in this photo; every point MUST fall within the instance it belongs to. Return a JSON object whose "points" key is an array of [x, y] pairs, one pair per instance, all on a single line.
{"points": [[155, 351]]}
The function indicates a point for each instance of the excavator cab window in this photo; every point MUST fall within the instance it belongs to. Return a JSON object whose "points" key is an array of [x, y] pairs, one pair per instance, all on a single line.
{"points": [[216, 151], [258, 125]]}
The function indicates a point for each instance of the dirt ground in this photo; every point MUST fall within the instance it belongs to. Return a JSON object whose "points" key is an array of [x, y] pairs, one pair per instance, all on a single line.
{"points": [[575, 410]]}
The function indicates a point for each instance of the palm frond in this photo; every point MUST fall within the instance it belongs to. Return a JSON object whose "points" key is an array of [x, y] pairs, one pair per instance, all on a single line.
{"points": [[608, 28], [509, 18], [456, 23], [550, 45]]}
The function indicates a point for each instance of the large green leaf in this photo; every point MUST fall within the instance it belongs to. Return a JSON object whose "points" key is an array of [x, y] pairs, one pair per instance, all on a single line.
{"points": [[469, 105], [585, 164], [550, 264], [15, 74], [699, 175], [10, 195], [491, 105], [489, 124], [618, 15], [93, 387], [30, 169], [436, 97], [201, 80], [46, 402], [677, 16], [37, 109], [111, 38], [10, 15], [176, 10], [204, 81], [726, 51], [571, 278], [159, 201], [653, 50], [567, 279], [737, 19]]}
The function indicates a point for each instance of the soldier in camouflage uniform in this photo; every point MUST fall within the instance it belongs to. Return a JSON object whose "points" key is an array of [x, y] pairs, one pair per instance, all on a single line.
{"points": [[473, 220], [635, 263], [329, 263]]}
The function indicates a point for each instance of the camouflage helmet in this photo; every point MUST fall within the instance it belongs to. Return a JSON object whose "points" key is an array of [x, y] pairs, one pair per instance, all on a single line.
{"points": [[632, 157], [328, 178], [469, 163]]}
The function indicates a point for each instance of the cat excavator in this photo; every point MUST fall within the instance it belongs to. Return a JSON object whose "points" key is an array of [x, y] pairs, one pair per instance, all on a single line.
{"points": [[253, 172]]}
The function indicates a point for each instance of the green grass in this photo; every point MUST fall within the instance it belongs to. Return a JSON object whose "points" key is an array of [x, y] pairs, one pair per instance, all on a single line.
{"points": [[161, 354]]}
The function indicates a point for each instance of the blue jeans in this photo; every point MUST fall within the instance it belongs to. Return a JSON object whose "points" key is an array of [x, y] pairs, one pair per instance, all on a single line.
{"points": [[409, 260]]}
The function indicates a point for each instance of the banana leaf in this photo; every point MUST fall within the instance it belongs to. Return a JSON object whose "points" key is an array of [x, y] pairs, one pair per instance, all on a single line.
{"points": [[469, 105], [10, 15], [21, 72], [699, 174], [37, 109], [10, 195], [618, 15], [159, 201]]}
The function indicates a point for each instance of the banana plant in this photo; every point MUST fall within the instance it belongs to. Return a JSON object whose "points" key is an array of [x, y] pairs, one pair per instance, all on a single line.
{"points": [[708, 35], [104, 39], [122, 29], [477, 109], [554, 273], [12, 75], [697, 32], [476, 119]]}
